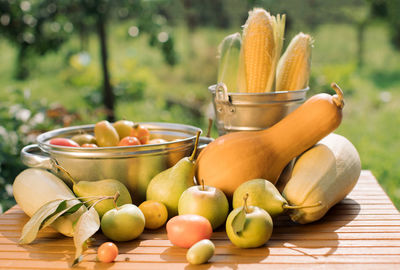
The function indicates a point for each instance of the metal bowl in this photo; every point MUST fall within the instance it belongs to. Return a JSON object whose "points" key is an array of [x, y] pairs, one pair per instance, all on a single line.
{"points": [[134, 166], [252, 111]]}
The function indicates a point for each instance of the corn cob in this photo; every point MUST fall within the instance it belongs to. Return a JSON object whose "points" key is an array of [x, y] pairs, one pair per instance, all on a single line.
{"points": [[262, 42], [279, 32], [229, 51], [293, 69]]}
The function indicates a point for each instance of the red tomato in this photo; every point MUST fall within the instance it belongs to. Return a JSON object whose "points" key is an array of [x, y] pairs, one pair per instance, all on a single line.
{"points": [[129, 141], [107, 252], [186, 230], [63, 142], [142, 133], [89, 145]]}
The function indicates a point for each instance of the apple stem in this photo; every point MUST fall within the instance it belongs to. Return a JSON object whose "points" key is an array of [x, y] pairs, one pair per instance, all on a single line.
{"points": [[196, 143], [286, 206], [245, 197], [202, 185], [60, 168], [116, 196]]}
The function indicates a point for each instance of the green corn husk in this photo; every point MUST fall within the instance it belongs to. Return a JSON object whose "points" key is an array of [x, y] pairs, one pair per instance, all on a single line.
{"points": [[228, 68]]}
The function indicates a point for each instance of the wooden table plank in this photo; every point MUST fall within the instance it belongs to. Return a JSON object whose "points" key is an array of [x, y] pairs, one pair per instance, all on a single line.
{"points": [[361, 232]]}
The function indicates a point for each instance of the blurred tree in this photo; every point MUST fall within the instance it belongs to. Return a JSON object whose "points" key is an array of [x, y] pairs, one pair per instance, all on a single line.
{"points": [[33, 27], [388, 10], [42, 26]]}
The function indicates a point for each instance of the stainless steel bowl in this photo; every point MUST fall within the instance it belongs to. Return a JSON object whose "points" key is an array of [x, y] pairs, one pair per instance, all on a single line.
{"points": [[134, 166], [252, 111]]}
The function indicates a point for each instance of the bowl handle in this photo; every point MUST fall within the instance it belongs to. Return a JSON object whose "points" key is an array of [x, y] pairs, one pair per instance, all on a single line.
{"points": [[30, 159]]}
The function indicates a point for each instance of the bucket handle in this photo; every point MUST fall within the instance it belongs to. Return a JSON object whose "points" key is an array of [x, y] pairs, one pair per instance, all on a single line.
{"points": [[222, 97], [221, 93]]}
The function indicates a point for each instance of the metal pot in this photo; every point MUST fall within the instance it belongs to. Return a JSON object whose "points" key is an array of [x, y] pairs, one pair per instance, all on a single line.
{"points": [[134, 166], [252, 111]]}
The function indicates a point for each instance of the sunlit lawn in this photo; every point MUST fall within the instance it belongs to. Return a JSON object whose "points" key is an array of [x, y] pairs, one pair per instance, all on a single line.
{"points": [[371, 116]]}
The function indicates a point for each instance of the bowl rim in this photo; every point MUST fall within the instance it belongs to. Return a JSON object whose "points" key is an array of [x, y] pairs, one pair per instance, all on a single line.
{"points": [[118, 151]]}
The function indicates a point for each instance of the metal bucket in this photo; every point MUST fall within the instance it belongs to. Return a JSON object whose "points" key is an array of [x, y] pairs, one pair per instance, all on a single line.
{"points": [[252, 111], [134, 166]]}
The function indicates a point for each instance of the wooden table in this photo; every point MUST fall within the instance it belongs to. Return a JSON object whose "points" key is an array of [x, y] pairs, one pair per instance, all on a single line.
{"points": [[361, 232]]}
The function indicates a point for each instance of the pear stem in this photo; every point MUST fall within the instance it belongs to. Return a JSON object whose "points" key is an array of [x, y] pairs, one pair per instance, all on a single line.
{"points": [[116, 196], [245, 197], [102, 199], [210, 122], [59, 167], [286, 206], [196, 143]]}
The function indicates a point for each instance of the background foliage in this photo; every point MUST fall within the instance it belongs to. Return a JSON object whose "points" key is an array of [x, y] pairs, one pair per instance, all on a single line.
{"points": [[161, 57]]}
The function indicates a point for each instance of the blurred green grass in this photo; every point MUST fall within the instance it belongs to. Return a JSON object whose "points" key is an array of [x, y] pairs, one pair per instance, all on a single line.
{"points": [[158, 92]]}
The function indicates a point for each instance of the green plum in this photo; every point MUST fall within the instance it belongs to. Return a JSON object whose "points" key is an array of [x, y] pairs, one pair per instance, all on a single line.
{"points": [[105, 134], [123, 128], [200, 252], [84, 139]]}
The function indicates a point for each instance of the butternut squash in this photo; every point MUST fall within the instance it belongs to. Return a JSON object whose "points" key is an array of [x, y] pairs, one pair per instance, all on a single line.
{"points": [[241, 156], [325, 173]]}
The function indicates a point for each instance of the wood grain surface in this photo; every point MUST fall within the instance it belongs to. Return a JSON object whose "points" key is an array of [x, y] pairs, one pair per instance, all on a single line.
{"points": [[361, 232]]}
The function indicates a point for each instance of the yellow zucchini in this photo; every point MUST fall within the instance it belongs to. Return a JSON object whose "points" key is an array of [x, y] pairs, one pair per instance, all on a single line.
{"points": [[326, 173], [33, 188]]}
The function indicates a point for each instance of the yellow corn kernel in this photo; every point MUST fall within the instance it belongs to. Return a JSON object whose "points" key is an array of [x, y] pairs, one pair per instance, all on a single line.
{"points": [[258, 50], [293, 71]]}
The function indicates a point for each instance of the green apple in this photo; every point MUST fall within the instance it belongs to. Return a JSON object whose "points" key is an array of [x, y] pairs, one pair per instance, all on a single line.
{"points": [[206, 201], [123, 223], [249, 226]]}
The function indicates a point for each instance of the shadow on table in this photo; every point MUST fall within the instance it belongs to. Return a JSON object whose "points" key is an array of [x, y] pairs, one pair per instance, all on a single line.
{"points": [[319, 234]]}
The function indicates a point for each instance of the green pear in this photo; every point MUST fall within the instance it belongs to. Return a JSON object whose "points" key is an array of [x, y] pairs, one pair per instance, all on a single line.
{"points": [[263, 194], [168, 185], [106, 187]]}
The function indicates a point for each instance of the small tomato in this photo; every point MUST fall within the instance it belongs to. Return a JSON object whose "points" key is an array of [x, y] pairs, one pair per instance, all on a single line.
{"points": [[186, 230], [142, 133], [63, 142], [107, 252], [89, 145], [127, 141]]}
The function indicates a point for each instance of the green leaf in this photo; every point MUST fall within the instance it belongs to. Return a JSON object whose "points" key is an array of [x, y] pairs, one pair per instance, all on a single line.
{"points": [[70, 208], [31, 228], [87, 225], [238, 221]]}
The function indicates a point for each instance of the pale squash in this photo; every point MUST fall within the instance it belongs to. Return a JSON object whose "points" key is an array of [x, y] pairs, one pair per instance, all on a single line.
{"points": [[325, 173], [241, 156], [34, 187]]}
